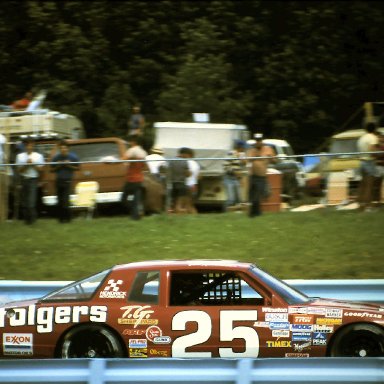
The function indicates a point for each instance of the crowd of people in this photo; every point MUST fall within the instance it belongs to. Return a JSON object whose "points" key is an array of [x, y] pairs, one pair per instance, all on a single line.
{"points": [[180, 177]]}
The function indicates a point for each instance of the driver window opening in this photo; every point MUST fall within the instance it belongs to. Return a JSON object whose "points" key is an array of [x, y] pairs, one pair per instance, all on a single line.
{"points": [[211, 288], [145, 288]]}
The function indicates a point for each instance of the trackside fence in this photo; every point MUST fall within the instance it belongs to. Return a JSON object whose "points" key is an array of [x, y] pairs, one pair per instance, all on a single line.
{"points": [[371, 290], [191, 371]]}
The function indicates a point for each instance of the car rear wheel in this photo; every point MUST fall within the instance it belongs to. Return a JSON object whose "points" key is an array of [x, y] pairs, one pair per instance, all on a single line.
{"points": [[90, 341], [360, 340]]}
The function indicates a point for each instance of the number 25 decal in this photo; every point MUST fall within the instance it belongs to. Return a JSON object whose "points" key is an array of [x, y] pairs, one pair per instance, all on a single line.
{"points": [[204, 329]]}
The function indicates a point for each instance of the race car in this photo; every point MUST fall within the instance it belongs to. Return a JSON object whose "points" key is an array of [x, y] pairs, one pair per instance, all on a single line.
{"points": [[187, 309]]}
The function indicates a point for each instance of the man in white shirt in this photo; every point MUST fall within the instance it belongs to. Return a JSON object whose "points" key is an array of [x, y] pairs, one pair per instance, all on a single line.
{"points": [[192, 181], [2, 143], [30, 165], [155, 162], [367, 143]]}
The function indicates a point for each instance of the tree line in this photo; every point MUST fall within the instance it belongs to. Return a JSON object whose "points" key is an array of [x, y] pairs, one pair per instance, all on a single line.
{"points": [[290, 69]]}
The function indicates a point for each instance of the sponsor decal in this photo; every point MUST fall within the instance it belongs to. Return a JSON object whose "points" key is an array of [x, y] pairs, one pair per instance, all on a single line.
{"points": [[328, 321], [271, 309], [137, 315], [138, 352], [152, 332], [112, 290], [44, 318], [301, 327], [298, 310], [261, 324], [18, 344], [301, 336], [299, 347], [158, 353], [299, 355], [137, 343], [280, 333], [134, 332], [316, 311], [323, 328], [319, 338], [334, 312], [276, 317], [363, 314], [303, 319], [279, 344], [162, 340], [279, 325]]}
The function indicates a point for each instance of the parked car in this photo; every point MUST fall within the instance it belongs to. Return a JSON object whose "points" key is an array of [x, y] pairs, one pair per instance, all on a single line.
{"points": [[189, 308], [101, 157]]}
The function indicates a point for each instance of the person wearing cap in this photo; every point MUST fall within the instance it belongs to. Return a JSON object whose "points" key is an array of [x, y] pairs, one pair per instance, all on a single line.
{"points": [[29, 165], [258, 183], [156, 163]]}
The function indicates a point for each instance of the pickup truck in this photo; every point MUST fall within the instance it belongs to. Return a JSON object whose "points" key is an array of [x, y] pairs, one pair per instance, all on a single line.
{"points": [[102, 157]]}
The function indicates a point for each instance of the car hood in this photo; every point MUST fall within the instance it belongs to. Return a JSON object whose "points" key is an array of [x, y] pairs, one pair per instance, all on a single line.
{"points": [[344, 304], [21, 303]]}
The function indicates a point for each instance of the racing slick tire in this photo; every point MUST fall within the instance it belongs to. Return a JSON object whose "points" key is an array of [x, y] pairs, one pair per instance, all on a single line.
{"points": [[90, 341], [358, 340]]}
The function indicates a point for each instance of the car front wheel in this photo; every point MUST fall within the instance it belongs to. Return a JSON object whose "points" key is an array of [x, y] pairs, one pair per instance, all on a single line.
{"points": [[360, 340], [90, 341]]}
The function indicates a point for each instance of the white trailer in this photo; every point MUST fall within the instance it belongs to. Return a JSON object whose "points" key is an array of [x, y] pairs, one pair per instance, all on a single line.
{"points": [[209, 141]]}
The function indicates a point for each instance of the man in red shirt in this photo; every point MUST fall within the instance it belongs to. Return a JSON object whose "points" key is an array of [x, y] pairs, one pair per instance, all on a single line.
{"points": [[22, 104], [132, 193]]}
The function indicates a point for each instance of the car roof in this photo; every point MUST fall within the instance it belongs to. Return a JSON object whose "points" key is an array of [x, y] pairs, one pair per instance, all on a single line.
{"points": [[186, 263]]}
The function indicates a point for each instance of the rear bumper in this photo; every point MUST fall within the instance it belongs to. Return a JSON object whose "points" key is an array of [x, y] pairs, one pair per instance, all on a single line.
{"points": [[102, 197]]}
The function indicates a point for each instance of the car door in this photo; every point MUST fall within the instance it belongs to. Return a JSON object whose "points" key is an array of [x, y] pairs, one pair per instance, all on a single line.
{"points": [[225, 317]]}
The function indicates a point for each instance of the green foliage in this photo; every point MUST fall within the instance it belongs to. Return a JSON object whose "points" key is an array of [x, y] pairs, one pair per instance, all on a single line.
{"points": [[323, 244], [292, 69]]}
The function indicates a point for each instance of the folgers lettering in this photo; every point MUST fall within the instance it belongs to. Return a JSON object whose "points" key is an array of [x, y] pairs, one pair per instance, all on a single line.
{"points": [[45, 317]]}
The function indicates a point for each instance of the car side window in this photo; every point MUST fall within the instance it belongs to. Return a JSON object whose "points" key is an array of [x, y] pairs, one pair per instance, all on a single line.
{"points": [[212, 288], [145, 288]]}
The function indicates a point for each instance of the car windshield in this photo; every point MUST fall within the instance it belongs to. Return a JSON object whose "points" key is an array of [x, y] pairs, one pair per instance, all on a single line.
{"points": [[79, 290], [285, 291], [343, 146], [95, 151]]}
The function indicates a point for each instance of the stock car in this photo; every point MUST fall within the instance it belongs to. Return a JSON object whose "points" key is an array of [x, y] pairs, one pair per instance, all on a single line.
{"points": [[187, 308]]}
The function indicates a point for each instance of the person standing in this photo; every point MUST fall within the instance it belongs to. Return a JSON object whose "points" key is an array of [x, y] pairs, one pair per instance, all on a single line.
{"points": [[367, 143], [192, 181], [378, 181], [136, 122], [258, 183], [135, 177], [233, 170], [64, 170], [156, 163], [29, 164], [178, 171]]}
